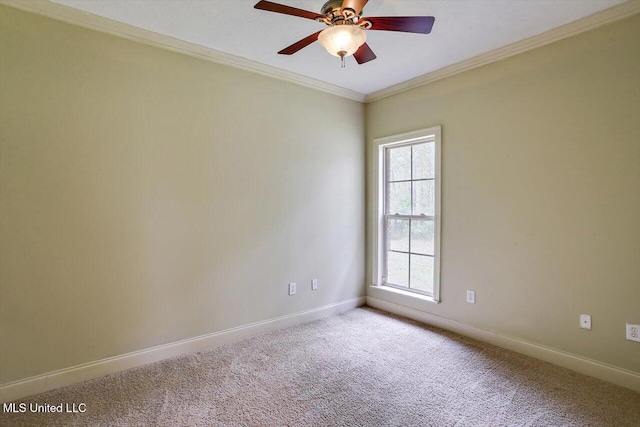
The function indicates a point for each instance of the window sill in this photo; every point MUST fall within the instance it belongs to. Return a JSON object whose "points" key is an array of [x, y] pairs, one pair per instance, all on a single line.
{"points": [[397, 291]]}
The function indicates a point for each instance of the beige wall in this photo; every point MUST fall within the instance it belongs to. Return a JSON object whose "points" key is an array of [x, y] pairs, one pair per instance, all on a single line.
{"points": [[541, 191], [148, 197]]}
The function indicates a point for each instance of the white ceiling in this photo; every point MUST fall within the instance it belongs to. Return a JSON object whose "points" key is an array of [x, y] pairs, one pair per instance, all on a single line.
{"points": [[463, 29]]}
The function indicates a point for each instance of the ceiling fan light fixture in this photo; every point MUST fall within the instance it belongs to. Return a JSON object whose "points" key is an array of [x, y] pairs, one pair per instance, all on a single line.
{"points": [[342, 40], [346, 33]]}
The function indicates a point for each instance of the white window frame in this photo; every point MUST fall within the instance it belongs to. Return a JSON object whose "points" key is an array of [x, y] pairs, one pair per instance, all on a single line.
{"points": [[432, 134]]}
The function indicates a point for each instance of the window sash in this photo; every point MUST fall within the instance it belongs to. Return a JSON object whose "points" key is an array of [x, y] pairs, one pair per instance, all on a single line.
{"points": [[409, 252], [410, 218], [381, 243]]}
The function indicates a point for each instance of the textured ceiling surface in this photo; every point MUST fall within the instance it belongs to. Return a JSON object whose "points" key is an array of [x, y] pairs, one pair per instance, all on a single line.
{"points": [[463, 29]]}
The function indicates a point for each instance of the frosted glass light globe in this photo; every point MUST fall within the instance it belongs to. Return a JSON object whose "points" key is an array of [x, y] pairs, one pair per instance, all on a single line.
{"points": [[342, 40]]}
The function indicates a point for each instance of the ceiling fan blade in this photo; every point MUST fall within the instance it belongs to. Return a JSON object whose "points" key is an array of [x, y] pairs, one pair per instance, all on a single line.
{"points": [[287, 10], [356, 5], [300, 44], [364, 54], [407, 24]]}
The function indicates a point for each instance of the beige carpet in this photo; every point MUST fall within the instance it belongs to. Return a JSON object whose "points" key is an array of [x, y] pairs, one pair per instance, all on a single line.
{"points": [[363, 368]]}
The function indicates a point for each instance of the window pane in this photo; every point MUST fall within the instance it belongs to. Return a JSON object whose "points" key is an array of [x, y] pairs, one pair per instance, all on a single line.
{"points": [[399, 163], [423, 161], [422, 273], [423, 198], [398, 235], [399, 198], [422, 233], [398, 269]]}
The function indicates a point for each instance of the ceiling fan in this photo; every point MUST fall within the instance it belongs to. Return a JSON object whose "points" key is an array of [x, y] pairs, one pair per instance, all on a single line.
{"points": [[346, 33]]}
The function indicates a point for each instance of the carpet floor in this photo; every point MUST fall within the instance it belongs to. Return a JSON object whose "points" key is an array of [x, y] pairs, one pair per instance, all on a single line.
{"points": [[361, 368]]}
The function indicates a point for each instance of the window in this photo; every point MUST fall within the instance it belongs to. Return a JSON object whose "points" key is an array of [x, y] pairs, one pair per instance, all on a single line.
{"points": [[407, 238]]}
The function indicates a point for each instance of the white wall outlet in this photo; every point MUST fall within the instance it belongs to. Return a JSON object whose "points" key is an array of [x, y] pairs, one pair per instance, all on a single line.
{"points": [[471, 297], [314, 285], [292, 288], [633, 332], [585, 321]]}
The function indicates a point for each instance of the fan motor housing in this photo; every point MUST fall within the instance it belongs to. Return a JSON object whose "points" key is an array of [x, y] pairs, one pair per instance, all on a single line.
{"points": [[330, 6], [333, 11]]}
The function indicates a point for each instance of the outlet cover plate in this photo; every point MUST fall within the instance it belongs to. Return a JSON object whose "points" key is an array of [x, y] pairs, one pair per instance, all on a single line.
{"points": [[471, 297], [633, 332], [292, 288], [585, 321], [314, 285]]}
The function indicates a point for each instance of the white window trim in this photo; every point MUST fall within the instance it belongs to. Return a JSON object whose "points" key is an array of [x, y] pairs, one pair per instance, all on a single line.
{"points": [[432, 134]]}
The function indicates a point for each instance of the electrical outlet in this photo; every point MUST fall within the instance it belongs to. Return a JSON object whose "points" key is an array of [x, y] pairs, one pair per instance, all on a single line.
{"points": [[633, 332], [471, 297], [292, 288], [314, 285], [585, 321]]}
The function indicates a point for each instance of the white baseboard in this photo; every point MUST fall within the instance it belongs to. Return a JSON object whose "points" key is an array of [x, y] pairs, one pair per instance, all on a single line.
{"points": [[576, 363], [75, 374]]}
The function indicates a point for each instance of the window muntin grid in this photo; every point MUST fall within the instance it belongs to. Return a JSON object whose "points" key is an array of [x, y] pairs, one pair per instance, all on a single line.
{"points": [[409, 217]]}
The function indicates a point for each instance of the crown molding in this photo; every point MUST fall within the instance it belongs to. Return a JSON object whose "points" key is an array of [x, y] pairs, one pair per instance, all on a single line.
{"points": [[104, 25], [587, 23], [87, 20]]}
